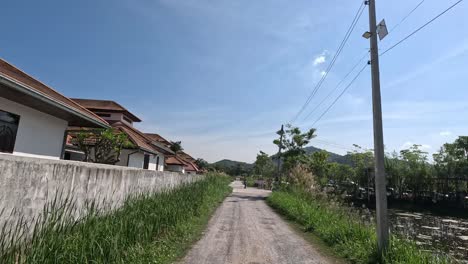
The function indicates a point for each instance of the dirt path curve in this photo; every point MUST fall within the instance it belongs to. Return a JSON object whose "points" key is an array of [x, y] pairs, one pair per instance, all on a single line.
{"points": [[245, 230]]}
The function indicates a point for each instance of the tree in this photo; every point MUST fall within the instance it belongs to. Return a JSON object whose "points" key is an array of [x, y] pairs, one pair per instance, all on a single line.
{"points": [[340, 173], [264, 165], [292, 143], [176, 146], [101, 145], [394, 168], [317, 163], [416, 169], [452, 161], [363, 160], [201, 163]]}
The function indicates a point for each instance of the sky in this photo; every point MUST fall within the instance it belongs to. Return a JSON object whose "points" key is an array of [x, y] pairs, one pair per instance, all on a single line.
{"points": [[223, 75]]}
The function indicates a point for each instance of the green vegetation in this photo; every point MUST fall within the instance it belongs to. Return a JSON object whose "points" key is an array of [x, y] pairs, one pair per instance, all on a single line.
{"points": [[148, 228], [410, 175], [343, 230], [101, 145]]}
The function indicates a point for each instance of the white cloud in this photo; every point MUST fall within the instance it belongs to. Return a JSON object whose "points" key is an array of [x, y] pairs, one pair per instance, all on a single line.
{"points": [[319, 60], [445, 133], [322, 73]]}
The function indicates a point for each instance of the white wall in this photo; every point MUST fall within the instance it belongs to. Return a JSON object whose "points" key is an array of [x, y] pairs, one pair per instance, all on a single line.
{"points": [[137, 160], [162, 158], [39, 134], [176, 168], [152, 162], [28, 184]]}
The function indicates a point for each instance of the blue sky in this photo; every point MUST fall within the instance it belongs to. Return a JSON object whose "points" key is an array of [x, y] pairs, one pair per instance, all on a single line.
{"points": [[221, 76]]}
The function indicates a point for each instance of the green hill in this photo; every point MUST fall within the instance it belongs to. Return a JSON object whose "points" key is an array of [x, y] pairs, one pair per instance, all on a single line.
{"points": [[232, 167], [238, 167], [344, 159]]}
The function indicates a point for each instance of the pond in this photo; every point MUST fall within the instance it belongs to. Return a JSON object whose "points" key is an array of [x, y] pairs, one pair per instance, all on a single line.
{"points": [[434, 233]]}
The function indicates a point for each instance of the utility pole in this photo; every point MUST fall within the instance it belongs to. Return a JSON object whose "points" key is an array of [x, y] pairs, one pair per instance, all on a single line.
{"points": [[380, 181], [278, 173]]}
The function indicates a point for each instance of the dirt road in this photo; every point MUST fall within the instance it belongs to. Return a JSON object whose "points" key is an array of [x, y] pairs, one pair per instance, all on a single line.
{"points": [[245, 230]]}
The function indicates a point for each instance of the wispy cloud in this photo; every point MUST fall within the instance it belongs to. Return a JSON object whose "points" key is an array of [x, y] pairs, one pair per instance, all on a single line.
{"points": [[445, 133], [319, 60], [456, 52]]}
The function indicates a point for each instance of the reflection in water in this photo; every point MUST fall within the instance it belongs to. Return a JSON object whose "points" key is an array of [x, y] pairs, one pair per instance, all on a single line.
{"points": [[434, 233]]}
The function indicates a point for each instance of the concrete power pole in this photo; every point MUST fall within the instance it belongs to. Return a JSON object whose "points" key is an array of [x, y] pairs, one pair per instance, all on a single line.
{"points": [[278, 177], [380, 181]]}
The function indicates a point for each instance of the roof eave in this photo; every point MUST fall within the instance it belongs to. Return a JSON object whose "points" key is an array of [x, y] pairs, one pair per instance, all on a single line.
{"points": [[47, 99]]}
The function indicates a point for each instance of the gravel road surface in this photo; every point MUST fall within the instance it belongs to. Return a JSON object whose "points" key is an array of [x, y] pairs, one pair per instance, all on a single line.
{"points": [[245, 230]]}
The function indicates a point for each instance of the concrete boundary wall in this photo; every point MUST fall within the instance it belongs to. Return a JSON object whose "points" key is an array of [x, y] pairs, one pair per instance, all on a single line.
{"points": [[27, 184]]}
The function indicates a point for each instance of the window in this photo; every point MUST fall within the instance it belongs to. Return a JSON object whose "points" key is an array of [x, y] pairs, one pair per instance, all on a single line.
{"points": [[146, 161], [8, 128], [157, 162]]}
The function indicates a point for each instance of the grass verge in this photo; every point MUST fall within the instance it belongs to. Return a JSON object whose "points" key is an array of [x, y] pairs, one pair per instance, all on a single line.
{"points": [[148, 228], [342, 229]]}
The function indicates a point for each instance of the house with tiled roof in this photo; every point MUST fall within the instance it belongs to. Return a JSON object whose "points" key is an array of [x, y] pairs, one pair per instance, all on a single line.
{"points": [[34, 117], [178, 162], [146, 153]]}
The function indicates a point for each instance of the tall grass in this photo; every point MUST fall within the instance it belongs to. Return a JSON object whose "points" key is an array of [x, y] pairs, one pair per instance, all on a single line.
{"points": [[343, 230], [148, 228]]}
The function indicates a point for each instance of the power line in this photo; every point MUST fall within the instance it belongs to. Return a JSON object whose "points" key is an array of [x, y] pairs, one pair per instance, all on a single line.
{"points": [[341, 94], [336, 87], [332, 144], [421, 27], [332, 62], [405, 17]]}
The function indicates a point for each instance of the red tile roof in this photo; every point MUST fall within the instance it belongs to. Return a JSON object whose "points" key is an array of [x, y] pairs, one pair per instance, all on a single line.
{"points": [[11, 72], [189, 166], [186, 157], [158, 138], [173, 160], [183, 157], [106, 105], [137, 137]]}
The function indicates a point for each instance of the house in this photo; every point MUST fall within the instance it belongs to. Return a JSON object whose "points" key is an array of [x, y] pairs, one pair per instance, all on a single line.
{"points": [[180, 162], [176, 164], [34, 117], [190, 165], [146, 154]]}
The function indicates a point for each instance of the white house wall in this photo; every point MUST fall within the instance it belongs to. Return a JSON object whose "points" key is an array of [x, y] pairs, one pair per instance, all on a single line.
{"points": [[152, 162], [162, 158], [136, 160], [39, 134], [176, 168]]}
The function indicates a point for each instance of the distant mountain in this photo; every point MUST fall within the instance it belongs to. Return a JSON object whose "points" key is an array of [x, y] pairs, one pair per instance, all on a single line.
{"points": [[232, 163], [232, 167], [333, 157], [344, 159], [237, 167]]}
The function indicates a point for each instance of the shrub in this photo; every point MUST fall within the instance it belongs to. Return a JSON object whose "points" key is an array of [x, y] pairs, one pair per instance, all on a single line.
{"points": [[343, 230]]}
